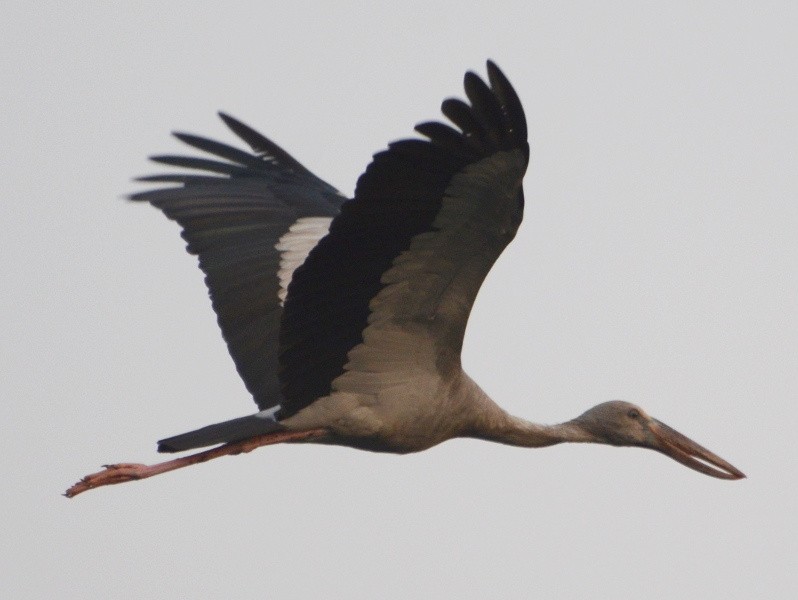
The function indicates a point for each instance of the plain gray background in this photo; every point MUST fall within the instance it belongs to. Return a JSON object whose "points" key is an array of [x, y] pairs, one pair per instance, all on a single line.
{"points": [[657, 263]]}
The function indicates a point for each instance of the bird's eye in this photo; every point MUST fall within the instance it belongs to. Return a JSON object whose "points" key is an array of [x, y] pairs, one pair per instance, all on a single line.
{"points": [[633, 413]]}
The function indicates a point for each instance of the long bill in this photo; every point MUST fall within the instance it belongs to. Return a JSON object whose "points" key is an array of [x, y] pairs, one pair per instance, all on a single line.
{"points": [[684, 450]]}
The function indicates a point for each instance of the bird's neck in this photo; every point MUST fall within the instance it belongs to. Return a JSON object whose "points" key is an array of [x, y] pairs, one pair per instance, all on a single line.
{"points": [[515, 431], [495, 424]]}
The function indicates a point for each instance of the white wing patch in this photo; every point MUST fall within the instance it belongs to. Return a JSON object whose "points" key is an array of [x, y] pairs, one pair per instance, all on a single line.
{"points": [[270, 414], [295, 245]]}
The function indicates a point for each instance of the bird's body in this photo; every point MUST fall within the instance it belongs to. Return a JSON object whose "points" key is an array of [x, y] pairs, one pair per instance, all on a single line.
{"points": [[408, 417], [419, 415], [345, 317]]}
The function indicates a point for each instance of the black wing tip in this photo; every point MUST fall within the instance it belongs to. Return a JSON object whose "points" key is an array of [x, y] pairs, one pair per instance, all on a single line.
{"points": [[183, 135], [493, 119], [261, 145], [492, 67], [496, 75], [197, 141], [255, 140], [192, 139], [511, 103], [233, 124], [470, 77], [143, 196]]}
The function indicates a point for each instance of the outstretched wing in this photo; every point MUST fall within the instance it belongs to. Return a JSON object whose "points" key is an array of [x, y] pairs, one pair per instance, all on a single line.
{"points": [[251, 219], [404, 260]]}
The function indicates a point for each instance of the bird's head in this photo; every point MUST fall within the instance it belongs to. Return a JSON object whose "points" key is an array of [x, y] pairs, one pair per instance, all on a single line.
{"points": [[623, 424]]}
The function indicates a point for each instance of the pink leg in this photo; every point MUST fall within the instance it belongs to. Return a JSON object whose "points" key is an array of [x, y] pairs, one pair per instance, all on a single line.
{"points": [[119, 473]]}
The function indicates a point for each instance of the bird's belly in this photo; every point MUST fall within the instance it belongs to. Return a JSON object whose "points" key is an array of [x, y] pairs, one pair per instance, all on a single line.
{"points": [[401, 419]]}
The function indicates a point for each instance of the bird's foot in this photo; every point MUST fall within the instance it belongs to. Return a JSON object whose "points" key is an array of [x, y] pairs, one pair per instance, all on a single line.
{"points": [[122, 472], [111, 474]]}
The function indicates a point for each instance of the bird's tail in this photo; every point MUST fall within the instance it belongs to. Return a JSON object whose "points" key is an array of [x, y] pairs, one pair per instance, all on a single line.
{"points": [[222, 433]]}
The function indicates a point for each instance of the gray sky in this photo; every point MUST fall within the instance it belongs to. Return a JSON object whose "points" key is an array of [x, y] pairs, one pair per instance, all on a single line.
{"points": [[657, 263]]}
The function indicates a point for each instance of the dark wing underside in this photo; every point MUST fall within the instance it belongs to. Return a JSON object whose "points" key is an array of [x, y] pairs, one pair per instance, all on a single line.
{"points": [[410, 251], [233, 216]]}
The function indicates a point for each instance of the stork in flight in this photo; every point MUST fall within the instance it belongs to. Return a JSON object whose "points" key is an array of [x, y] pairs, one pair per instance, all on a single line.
{"points": [[345, 317]]}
